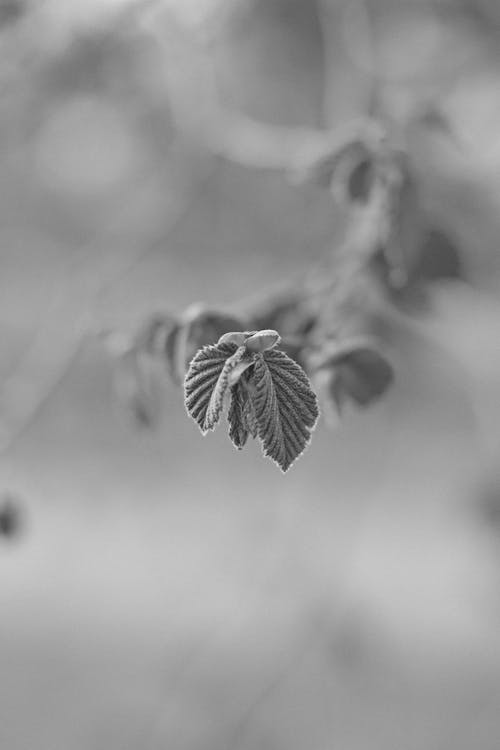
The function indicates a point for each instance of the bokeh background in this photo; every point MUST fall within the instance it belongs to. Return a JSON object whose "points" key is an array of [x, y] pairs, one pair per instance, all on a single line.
{"points": [[161, 590]]}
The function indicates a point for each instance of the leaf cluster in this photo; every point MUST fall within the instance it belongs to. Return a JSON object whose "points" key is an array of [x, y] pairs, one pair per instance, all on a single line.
{"points": [[270, 395]]}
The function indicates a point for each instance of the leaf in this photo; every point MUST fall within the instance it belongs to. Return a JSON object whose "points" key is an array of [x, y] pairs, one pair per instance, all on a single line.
{"points": [[222, 385], [360, 181], [237, 338], [238, 428], [158, 338], [241, 415], [271, 397], [250, 418], [260, 341], [322, 381], [363, 376], [164, 346], [208, 380], [176, 340], [134, 388], [439, 258], [10, 516], [355, 371], [285, 406], [321, 165]]}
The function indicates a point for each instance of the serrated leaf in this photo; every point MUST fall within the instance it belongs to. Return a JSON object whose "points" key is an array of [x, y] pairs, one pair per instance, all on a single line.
{"points": [[222, 386], [201, 379], [251, 419], [285, 406], [238, 428], [241, 416], [208, 380]]}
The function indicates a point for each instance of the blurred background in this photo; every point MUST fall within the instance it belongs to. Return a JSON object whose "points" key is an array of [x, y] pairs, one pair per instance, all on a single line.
{"points": [[158, 590]]}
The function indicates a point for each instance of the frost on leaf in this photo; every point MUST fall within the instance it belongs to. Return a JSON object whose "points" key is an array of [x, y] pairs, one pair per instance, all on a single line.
{"points": [[208, 380], [285, 406]]}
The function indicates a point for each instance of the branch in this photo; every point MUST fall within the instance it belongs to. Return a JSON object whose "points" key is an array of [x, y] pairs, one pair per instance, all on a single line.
{"points": [[193, 93]]}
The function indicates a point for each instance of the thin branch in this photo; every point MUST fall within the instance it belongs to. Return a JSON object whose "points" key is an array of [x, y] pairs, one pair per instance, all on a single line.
{"points": [[58, 340]]}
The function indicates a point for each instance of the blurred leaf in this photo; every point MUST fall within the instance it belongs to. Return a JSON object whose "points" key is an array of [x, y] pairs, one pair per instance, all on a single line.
{"points": [[360, 181], [355, 371], [332, 163], [439, 258], [158, 338], [133, 385], [11, 11], [10, 516], [290, 312], [169, 352], [363, 376]]}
